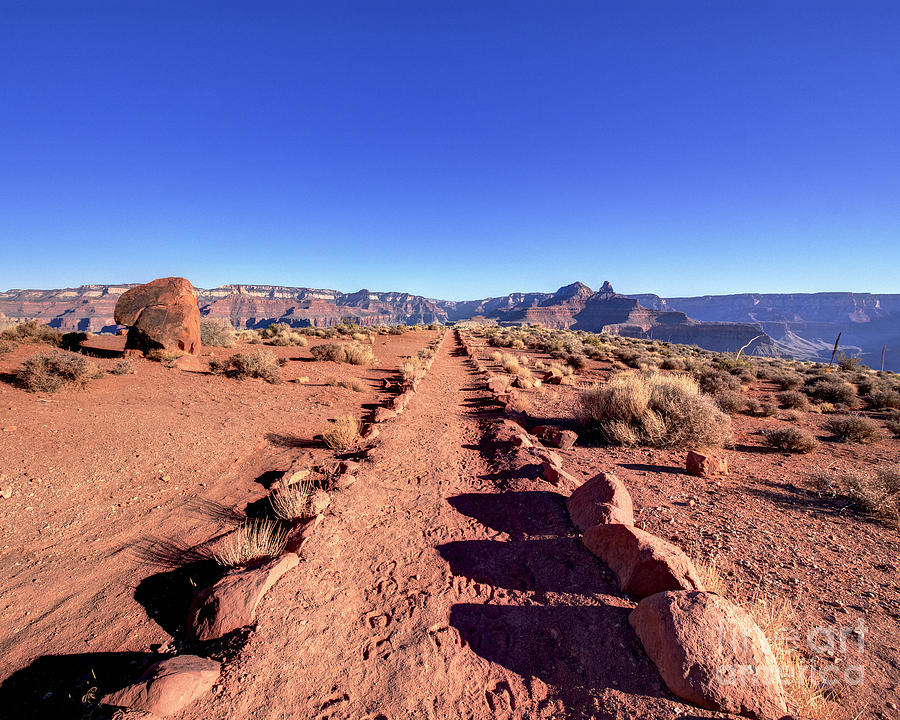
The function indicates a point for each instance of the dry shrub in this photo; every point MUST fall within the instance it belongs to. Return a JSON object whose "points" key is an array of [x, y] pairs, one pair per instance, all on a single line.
{"points": [[123, 367], [162, 355], [655, 410], [791, 439], [854, 428], [893, 423], [496, 356], [262, 364], [350, 353], [787, 380], [293, 502], [712, 579], [31, 331], [353, 384], [216, 334], [252, 540], [777, 618], [768, 409], [408, 370], [877, 493], [7, 346], [48, 372], [510, 364], [731, 401], [343, 436], [793, 399], [832, 390]]}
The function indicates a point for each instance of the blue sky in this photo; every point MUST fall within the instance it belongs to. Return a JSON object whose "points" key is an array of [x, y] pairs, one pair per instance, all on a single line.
{"points": [[452, 149]]}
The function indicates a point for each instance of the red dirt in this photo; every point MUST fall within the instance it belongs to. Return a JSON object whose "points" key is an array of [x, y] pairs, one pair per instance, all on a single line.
{"points": [[447, 582]]}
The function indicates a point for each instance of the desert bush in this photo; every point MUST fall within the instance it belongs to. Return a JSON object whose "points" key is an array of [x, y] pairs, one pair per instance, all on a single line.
{"points": [[262, 364], [875, 492], [791, 439], [731, 401], [856, 428], [714, 382], [655, 410], [576, 361], [752, 406], [293, 502], [123, 367], [787, 380], [882, 394], [510, 364], [351, 353], [7, 346], [673, 363], [353, 384], [496, 356], [768, 409], [31, 331], [343, 435], [216, 334], [848, 364], [48, 372], [251, 541], [892, 423], [793, 399], [831, 389], [409, 369]]}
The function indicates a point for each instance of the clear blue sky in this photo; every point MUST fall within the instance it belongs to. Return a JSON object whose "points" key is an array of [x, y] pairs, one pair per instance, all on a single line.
{"points": [[454, 149]]}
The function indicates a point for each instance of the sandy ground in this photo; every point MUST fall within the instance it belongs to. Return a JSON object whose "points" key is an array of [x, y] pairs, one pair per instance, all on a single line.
{"points": [[447, 582]]}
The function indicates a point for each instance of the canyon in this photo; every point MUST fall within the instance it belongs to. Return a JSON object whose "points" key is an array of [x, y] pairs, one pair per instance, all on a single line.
{"points": [[799, 325]]}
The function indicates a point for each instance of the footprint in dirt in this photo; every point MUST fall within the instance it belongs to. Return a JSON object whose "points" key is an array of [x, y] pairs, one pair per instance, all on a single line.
{"points": [[443, 636], [378, 620], [501, 700]]}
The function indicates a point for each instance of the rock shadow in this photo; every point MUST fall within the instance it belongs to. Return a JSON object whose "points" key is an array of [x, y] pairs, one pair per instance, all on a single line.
{"points": [[519, 514], [579, 650]]}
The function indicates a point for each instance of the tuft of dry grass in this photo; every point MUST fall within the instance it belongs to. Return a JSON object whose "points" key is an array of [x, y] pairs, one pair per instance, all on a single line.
{"points": [[252, 540], [123, 367], [343, 436], [496, 356], [48, 372], [354, 384], [712, 579], [655, 410], [262, 364], [791, 439], [510, 364], [294, 501], [350, 353], [877, 493], [409, 369]]}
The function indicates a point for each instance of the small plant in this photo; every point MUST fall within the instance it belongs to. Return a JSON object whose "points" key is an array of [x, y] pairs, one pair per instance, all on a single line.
{"points": [[409, 369], [48, 372], [659, 410], [293, 502], [343, 436], [496, 356], [161, 355], [854, 428], [353, 384], [731, 401], [893, 423], [510, 364], [791, 439], [262, 364], [793, 399], [350, 353], [216, 334], [251, 541], [31, 331], [7, 346], [874, 492], [768, 409], [833, 390], [123, 367]]}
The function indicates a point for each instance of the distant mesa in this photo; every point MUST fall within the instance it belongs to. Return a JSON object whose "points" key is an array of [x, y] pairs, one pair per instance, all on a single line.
{"points": [[798, 325]]}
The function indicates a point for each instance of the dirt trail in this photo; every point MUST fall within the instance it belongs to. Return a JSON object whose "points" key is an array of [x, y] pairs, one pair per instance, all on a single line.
{"points": [[429, 593]]}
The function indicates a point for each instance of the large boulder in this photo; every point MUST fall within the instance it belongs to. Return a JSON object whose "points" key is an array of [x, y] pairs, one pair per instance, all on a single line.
{"points": [[167, 686], [644, 563], [602, 499], [710, 653], [231, 603], [161, 314]]}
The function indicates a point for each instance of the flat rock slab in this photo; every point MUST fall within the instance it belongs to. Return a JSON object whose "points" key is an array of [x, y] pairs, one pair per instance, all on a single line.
{"points": [[167, 686], [711, 653], [644, 563], [601, 500], [231, 603]]}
